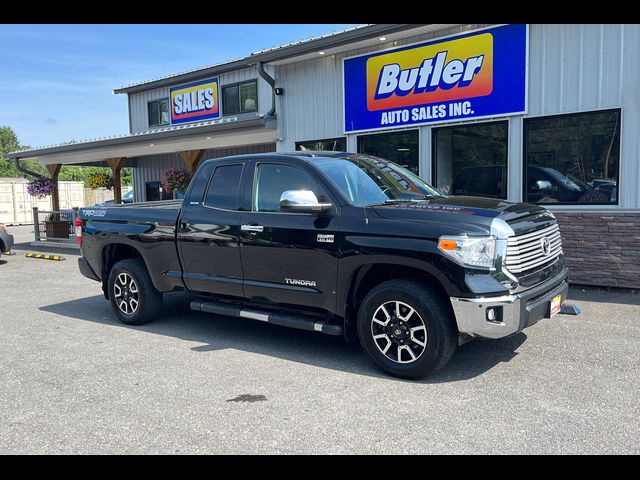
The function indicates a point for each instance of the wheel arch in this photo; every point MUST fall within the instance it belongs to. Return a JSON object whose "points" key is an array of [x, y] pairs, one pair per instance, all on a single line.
{"points": [[112, 253], [366, 277]]}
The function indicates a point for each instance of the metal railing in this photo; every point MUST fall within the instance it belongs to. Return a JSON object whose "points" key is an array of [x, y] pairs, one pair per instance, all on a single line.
{"points": [[58, 226]]}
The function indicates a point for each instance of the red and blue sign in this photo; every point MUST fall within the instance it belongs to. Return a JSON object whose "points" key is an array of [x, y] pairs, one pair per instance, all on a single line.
{"points": [[195, 101], [474, 75]]}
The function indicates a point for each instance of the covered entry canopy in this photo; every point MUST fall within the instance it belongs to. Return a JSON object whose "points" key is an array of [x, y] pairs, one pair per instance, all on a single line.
{"points": [[198, 136], [188, 141]]}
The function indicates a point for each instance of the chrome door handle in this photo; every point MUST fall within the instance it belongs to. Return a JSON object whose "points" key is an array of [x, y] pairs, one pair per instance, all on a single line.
{"points": [[252, 228]]}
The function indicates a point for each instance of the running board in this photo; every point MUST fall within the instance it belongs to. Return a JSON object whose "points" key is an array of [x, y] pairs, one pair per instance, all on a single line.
{"points": [[299, 322]]}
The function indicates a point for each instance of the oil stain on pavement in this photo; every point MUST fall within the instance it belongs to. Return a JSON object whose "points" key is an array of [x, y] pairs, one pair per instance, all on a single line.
{"points": [[247, 397]]}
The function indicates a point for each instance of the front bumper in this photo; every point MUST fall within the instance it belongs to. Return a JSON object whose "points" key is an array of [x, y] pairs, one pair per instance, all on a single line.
{"points": [[519, 311]]}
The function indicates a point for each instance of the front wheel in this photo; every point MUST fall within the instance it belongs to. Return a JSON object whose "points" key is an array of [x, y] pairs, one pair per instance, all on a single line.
{"points": [[133, 297], [407, 329]]}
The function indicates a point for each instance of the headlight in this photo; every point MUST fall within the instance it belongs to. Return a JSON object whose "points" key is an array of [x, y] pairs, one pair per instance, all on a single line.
{"points": [[477, 252]]}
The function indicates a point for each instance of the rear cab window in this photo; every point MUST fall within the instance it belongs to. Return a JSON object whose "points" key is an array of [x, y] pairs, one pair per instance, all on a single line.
{"points": [[224, 187]]}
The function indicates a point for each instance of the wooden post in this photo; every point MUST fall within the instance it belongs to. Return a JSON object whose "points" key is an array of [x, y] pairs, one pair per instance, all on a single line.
{"points": [[192, 159], [54, 171], [116, 166]]}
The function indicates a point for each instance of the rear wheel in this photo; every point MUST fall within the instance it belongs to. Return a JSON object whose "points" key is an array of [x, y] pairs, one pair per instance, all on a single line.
{"points": [[133, 297], [407, 329]]}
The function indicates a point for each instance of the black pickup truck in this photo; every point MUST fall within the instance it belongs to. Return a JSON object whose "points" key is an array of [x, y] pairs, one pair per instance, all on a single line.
{"points": [[338, 243]]}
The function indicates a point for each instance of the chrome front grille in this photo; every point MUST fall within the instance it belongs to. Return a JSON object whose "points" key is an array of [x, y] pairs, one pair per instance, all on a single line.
{"points": [[525, 252]]}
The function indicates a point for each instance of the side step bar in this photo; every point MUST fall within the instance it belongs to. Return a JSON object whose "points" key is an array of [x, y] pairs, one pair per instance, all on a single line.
{"points": [[299, 322]]}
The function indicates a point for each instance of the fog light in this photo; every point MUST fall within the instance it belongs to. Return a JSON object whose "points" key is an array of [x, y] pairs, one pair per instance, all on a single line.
{"points": [[494, 314]]}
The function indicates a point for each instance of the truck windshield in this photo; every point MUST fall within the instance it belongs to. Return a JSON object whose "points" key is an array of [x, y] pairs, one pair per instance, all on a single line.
{"points": [[367, 180]]}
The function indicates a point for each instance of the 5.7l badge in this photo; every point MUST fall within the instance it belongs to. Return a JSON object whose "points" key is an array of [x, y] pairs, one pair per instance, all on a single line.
{"points": [[324, 238]]}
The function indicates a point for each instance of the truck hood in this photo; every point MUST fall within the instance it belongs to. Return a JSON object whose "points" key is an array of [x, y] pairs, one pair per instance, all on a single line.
{"points": [[471, 214]]}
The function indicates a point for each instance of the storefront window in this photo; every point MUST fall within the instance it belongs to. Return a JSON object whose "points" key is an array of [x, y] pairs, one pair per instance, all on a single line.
{"points": [[399, 147], [471, 159], [328, 145], [572, 159], [158, 112], [240, 98]]}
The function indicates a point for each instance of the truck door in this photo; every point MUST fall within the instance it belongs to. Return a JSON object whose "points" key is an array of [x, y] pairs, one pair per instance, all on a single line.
{"points": [[288, 258], [208, 231]]}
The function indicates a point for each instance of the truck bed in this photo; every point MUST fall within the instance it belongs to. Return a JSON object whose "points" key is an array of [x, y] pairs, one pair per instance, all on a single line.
{"points": [[148, 227], [161, 204]]}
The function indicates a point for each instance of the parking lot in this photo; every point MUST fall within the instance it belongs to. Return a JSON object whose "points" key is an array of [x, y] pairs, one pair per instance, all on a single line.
{"points": [[74, 380]]}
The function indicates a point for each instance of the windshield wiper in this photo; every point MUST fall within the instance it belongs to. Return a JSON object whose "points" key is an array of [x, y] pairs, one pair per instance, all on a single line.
{"points": [[390, 201]]}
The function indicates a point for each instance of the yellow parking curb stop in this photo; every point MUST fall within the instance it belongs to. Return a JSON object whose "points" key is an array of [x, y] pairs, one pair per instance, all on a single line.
{"points": [[42, 256]]}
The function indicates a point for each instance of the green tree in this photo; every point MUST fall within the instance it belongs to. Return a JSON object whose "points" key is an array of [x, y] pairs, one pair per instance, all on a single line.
{"points": [[9, 143]]}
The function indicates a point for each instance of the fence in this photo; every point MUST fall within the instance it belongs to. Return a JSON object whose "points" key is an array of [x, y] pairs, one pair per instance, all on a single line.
{"points": [[16, 204], [57, 226]]}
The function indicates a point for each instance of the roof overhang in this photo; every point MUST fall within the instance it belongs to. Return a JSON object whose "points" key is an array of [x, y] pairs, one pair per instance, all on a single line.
{"points": [[350, 39], [209, 136]]}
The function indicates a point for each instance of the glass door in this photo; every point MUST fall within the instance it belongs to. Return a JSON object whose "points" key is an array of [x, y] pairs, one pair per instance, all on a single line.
{"points": [[471, 159]]}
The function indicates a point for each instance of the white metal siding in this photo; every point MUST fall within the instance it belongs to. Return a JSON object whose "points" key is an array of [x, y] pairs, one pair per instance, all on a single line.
{"points": [[138, 101]]}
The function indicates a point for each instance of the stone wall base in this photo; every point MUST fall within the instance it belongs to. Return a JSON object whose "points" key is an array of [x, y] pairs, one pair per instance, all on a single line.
{"points": [[601, 249]]}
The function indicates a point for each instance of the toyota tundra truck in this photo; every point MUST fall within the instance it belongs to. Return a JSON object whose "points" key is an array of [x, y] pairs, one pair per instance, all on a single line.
{"points": [[338, 243]]}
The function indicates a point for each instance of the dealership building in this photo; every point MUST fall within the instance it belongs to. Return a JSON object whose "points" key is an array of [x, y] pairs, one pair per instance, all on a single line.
{"points": [[545, 114]]}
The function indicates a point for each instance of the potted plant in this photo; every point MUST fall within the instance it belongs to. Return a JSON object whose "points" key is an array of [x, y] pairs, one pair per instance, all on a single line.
{"points": [[55, 226], [175, 180]]}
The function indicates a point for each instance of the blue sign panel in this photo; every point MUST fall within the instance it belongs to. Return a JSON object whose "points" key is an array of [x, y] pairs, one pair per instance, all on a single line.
{"points": [[474, 75]]}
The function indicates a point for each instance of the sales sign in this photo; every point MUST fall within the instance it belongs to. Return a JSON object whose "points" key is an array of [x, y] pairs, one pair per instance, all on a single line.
{"points": [[480, 74], [195, 101]]}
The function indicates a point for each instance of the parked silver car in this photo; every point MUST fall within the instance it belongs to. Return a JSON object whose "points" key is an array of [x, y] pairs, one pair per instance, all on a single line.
{"points": [[6, 240]]}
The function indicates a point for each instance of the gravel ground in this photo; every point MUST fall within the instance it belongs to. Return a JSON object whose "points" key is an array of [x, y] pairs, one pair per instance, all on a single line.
{"points": [[74, 380]]}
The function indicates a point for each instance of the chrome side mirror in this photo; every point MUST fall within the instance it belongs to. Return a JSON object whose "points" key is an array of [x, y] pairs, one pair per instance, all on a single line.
{"points": [[544, 185], [302, 201]]}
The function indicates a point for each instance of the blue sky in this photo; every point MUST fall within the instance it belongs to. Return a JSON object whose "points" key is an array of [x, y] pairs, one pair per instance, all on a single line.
{"points": [[56, 80]]}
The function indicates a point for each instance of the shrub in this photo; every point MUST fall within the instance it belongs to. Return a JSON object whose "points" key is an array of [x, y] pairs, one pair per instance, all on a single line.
{"points": [[100, 180]]}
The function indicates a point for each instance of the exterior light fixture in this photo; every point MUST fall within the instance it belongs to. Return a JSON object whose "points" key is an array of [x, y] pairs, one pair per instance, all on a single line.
{"points": [[382, 39], [320, 53]]}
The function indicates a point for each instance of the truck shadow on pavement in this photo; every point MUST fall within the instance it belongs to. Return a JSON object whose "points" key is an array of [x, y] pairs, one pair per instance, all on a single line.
{"points": [[220, 333]]}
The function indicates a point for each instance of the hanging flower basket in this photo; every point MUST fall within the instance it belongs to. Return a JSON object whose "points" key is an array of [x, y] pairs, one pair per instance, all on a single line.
{"points": [[175, 180], [41, 187]]}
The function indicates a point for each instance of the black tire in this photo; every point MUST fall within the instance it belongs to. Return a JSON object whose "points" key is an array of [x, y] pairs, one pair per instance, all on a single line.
{"points": [[441, 338], [149, 300]]}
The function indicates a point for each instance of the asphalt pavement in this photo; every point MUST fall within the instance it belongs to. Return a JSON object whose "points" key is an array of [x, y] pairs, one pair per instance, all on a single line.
{"points": [[74, 380]]}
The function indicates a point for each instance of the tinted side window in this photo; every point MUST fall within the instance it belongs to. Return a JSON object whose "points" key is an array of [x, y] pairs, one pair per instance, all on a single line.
{"points": [[223, 189], [272, 180]]}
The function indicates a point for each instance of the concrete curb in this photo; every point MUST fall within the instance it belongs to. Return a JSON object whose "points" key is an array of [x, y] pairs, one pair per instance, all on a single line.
{"points": [[69, 246]]}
